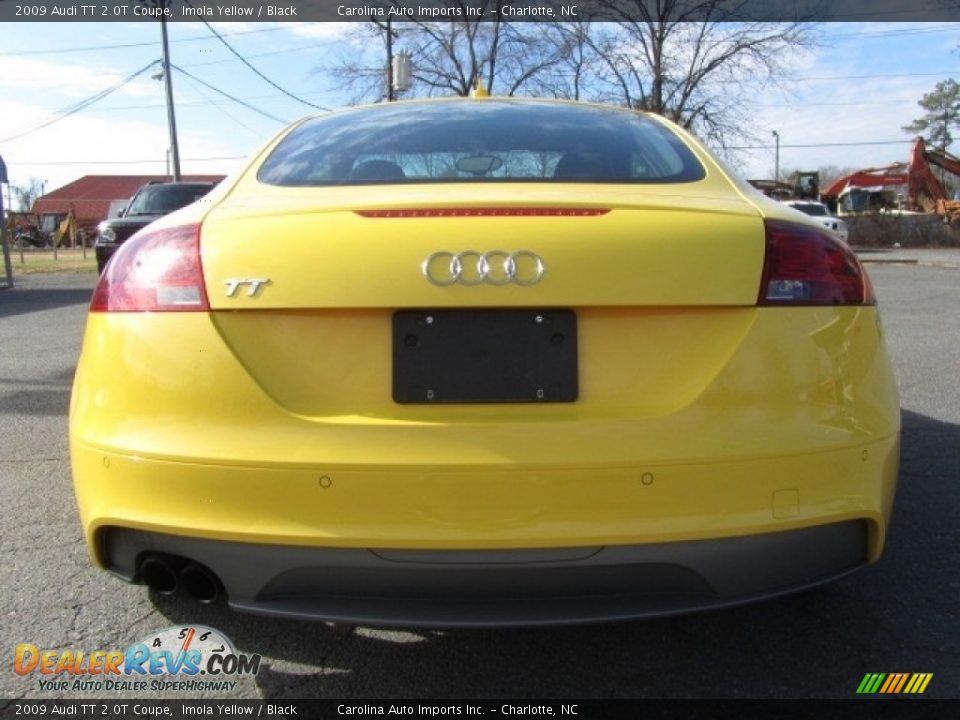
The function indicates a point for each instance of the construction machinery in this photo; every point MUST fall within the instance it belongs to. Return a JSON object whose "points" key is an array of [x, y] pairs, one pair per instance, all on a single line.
{"points": [[802, 186], [23, 230], [900, 187]]}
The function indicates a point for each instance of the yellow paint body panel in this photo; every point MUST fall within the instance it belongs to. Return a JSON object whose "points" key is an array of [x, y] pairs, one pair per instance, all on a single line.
{"points": [[269, 420], [656, 250], [301, 443]]}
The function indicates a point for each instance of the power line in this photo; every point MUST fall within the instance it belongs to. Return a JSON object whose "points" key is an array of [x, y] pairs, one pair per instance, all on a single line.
{"points": [[249, 98], [879, 76], [298, 49], [893, 33], [241, 157], [800, 104], [125, 46], [863, 15], [825, 145], [786, 104], [83, 104], [123, 162], [874, 76], [286, 26], [210, 101], [260, 74], [229, 96]]}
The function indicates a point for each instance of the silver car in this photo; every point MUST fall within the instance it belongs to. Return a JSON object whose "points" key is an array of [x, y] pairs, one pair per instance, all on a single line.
{"points": [[820, 211]]}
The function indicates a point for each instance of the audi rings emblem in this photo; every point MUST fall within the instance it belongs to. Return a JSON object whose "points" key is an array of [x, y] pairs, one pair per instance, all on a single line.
{"points": [[474, 268]]}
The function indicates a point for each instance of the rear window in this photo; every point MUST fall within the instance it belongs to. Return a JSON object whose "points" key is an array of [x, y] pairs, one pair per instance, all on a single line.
{"points": [[479, 141]]}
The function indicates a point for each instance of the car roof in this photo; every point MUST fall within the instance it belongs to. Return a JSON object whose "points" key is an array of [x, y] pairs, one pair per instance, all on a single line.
{"points": [[479, 101]]}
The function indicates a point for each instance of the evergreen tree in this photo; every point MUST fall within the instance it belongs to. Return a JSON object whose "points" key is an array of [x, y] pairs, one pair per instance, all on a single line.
{"points": [[942, 114]]}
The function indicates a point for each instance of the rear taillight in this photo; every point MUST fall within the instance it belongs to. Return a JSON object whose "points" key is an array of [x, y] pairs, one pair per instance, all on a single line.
{"points": [[807, 266], [154, 271]]}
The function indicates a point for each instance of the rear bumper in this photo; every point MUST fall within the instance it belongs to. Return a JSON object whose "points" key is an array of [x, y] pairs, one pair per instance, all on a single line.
{"points": [[280, 470], [449, 588], [442, 508]]}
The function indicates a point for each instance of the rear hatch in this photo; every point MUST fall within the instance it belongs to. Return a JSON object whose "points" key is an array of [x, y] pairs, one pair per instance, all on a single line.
{"points": [[306, 284], [322, 249]]}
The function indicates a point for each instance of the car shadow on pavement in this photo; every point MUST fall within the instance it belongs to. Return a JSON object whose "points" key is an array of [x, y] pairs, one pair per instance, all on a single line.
{"points": [[897, 614], [52, 402], [49, 396], [20, 301]]}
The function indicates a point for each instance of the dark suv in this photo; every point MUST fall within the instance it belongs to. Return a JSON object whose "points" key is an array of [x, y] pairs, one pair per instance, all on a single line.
{"points": [[151, 202]]}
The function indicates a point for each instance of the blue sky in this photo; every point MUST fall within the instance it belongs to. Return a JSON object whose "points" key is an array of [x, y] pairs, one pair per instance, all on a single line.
{"points": [[861, 85]]}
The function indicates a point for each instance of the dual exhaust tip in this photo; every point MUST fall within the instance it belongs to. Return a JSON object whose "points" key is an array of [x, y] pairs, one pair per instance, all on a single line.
{"points": [[166, 574]]}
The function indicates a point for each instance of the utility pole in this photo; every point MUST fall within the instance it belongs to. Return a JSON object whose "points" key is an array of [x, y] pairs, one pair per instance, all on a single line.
{"points": [[3, 227], [171, 118], [946, 138], [390, 94], [398, 67], [776, 157]]}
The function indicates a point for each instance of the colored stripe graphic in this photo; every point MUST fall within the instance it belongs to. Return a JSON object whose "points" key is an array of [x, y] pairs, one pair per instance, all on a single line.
{"points": [[894, 683], [870, 683], [903, 680], [922, 682]]}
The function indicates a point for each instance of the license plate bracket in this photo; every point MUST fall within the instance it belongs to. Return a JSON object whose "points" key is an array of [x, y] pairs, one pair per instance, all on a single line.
{"points": [[485, 356]]}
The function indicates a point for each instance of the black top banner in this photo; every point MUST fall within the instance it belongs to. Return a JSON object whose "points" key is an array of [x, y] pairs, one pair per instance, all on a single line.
{"points": [[479, 10]]}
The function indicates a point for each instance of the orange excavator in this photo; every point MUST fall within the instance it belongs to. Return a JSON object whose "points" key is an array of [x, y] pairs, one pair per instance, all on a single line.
{"points": [[863, 191]]}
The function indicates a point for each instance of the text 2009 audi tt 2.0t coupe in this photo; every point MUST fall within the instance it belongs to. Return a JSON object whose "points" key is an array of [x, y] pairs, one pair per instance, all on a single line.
{"points": [[484, 361]]}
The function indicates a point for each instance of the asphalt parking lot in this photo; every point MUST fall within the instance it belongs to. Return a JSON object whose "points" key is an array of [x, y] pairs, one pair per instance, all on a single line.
{"points": [[900, 615]]}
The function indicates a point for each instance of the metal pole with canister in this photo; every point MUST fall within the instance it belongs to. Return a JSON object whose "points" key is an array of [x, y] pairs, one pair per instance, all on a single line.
{"points": [[3, 228]]}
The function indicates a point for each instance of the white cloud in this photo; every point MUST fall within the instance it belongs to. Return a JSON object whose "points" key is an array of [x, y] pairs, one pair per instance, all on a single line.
{"points": [[322, 30], [97, 144], [73, 80], [68, 82]]}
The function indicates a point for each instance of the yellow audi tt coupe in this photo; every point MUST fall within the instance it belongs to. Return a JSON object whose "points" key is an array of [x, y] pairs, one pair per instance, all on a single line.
{"points": [[484, 362]]}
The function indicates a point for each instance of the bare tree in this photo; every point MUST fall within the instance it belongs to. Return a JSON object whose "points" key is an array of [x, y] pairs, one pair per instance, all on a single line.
{"points": [[360, 70], [452, 57], [686, 60], [572, 72], [25, 194]]}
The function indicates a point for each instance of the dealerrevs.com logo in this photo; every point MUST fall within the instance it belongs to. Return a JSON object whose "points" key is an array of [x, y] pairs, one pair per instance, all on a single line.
{"points": [[176, 659]]}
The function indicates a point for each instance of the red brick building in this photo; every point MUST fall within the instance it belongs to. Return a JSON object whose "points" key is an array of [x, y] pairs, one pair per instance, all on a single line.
{"points": [[93, 196]]}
